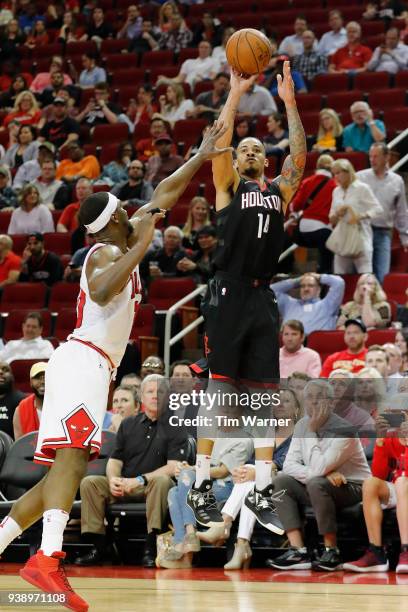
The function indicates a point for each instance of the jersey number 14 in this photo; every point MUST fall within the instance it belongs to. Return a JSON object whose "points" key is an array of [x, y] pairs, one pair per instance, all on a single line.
{"points": [[263, 225]]}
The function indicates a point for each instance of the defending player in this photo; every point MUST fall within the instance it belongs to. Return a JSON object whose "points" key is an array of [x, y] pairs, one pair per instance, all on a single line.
{"points": [[240, 310], [79, 371]]}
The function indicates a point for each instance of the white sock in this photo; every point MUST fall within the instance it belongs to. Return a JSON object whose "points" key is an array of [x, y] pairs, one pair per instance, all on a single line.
{"points": [[9, 531], [54, 523], [263, 474], [202, 469]]}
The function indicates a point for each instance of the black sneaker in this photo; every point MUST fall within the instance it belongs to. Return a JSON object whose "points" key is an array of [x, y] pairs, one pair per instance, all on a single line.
{"points": [[204, 505], [262, 505], [329, 561], [293, 558]]}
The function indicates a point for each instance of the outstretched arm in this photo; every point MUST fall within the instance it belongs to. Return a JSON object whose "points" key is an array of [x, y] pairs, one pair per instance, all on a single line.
{"points": [[294, 164]]}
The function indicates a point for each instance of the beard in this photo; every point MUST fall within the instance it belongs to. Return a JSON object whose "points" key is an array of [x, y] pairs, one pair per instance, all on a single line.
{"points": [[251, 171], [5, 387], [38, 394]]}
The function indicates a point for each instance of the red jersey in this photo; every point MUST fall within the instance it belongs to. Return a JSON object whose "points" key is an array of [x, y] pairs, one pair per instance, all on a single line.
{"points": [[69, 217], [346, 58], [353, 362], [10, 262], [390, 460]]}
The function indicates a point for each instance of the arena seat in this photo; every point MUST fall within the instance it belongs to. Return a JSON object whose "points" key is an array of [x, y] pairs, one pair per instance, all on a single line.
{"points": [[5, 217], [19, 242], [80, 47], [128, 75], [371, 81], [6, 442], [111, 46], [309, 102], [21, 371], [163, 292], [395, 285], [351, 282], [65, 323], [187, 53], [342, 100], [116, 132], [401, 79], [58, 242], [387, 99], [13, 321], [23, 295], [178, 215], [157, 58], [63, 295], [326, 83], [396, 119], [326, 342], [120, 61], [188, 130], [399, 259], [380, 336]]}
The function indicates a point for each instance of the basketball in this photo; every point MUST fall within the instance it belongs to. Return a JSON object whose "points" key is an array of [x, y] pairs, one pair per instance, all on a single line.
{"points": [[248, 51]]}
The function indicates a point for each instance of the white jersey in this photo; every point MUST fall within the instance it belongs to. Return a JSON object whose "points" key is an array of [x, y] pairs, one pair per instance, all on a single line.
{"points": [[107, 328]]}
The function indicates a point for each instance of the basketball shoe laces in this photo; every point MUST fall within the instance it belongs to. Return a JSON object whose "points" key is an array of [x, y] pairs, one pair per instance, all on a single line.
{"points": [[63, 577], [267, 503], [208, 500]]}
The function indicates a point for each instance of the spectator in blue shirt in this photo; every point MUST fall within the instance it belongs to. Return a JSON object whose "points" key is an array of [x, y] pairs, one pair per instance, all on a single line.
{"points": [[364, 131], [91, 74], [276, 67], [316, 313], [28, 18]]}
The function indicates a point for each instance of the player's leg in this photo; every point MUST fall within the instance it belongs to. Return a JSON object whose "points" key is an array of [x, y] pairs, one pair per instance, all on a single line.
{"points": [[401, 489], [376, 494]]}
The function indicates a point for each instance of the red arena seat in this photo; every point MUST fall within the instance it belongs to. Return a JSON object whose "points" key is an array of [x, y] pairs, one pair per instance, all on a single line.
{"points": [[65, 323], [23, 295], [164, 292], [21, 372], [326, 342], [395, 285], [63, 295]]}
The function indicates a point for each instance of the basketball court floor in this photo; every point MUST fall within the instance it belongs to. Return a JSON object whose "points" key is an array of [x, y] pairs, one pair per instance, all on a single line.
{"points": [[124, 589]]}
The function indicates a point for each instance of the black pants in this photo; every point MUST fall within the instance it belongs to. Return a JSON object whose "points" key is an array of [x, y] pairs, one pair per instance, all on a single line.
{"points": [[317, 240]]}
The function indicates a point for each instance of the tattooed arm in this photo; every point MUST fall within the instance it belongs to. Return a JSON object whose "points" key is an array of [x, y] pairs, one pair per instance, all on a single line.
{"points": [[294, 164]]}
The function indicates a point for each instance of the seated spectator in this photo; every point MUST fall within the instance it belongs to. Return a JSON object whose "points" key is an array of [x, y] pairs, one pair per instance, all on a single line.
{"points": [[389, 188], [29, 16], [276, 141], [323, 469], [77, 164], [174, 106], [10, 263], [152, 365], [39, 265], [194, 70], [293, 45], [99, 111], [166, 12], [132, 27], [197, 218], [9, 398], [311, 207], [56, 86], [343, 384], [369, 304], [208, 28], [53, 193], [164, 261], [12, 37], [219, 53], [394, 360], [25, 110], [61, 130], [38, 36], [67, 93], [162, 165], [244, 480], [371, 392], [8, 98], [384, 9], [146, 147], [378, 358], [68, 221], [243, 128], [147, 39], [25, 149], [275, 68], [8, 197], [32, 345], [141, 467], [98, 29], [201, 263], [72, 272], [31, 170], [336, 37], [296, 382], [352, 358], [293, 356], [116, 171], [43, 79], [31, 216], [354, 56], [227, 455], [391, 56], [208, 104], [401, 340], [330, 132], [135, 191], [402, 309], [132, 380], [310, 62], [315, 313], [353, 202], [256, 101], [386, 488], [140, 110], [125, 403], [178, 36], [27, 416], [91, 74], [70, 31]]}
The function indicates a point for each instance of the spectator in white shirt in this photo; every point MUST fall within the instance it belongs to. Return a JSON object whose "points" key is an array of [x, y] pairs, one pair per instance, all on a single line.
{"points": [[394, 360], [32, 345], [194, 70], [53, 192], [31, 216], [391, 56], [174, 106], [293, 44], [31, 170], [293, 356], [219, 54], [256, 101], [336, 37]]}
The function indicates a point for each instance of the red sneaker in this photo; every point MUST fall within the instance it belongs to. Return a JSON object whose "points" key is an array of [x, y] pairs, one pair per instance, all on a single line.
{"points": [[48, 574], [402, 567], [369, 562]]}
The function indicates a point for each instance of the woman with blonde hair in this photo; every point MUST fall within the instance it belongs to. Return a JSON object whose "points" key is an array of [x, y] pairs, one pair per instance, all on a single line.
{"points": [[369, 304], [329, 134], [353, 204], [174, 106], [197, 218], [26, 110], [31, 216], [370, 391], [167, 10]]}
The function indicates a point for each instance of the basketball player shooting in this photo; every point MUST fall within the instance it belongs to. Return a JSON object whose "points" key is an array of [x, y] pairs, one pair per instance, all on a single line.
{"points": [[240, 309], [80, 370]]}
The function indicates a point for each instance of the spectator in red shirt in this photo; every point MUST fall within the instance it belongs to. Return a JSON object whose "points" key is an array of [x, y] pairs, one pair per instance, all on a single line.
{"points": [[146, 147], [10, 263], [25, 110], [352, 358], [27, 416], [387, 488], [354, 56], [68, 221]]}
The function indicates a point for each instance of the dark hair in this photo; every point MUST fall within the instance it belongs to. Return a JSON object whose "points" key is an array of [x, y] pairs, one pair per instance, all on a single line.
{"points": [[34, 315], [134, 392], [91, 55], [278, 117], [295, 325], [102, 86], [18, 76], [180, 362], [383, 146], [92, 207], [122, 146], [31, 128], [221, 74]]}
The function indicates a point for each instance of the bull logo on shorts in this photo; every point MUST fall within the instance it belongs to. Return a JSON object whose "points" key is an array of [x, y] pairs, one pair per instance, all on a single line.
{"points": [[80, 427]]}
